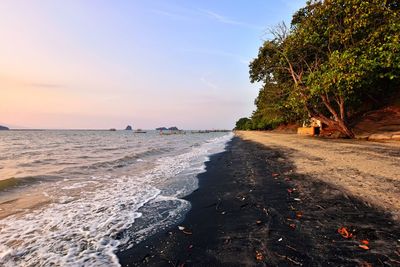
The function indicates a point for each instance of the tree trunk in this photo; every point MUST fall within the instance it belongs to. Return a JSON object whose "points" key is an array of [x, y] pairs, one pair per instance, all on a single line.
{"points": [[338, 125], [339, 122], [345, 129]]}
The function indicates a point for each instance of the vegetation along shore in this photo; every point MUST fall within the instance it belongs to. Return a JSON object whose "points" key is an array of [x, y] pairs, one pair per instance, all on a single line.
{"points": [[335, 62]]}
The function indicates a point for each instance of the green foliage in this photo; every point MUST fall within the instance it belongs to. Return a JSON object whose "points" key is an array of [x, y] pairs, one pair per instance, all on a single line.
{"points": [[243, 124], [257, 123], [336, 56]]}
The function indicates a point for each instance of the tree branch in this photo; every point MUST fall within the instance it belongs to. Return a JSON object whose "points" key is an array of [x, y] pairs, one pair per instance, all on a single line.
{"points": [[328, 105], [342, 108]]}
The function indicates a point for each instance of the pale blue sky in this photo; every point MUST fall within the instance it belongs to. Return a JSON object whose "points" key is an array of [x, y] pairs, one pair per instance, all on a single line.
{"points": [[103, 64]]}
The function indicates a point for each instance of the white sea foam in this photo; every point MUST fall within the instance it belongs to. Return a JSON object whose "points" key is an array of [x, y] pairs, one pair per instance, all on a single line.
{"points": [[86, 228], [80, 232], [78, 185]]}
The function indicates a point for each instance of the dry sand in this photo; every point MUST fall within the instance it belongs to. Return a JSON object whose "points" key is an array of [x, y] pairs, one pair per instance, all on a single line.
{"points": [[273, 203], [367, 170]]}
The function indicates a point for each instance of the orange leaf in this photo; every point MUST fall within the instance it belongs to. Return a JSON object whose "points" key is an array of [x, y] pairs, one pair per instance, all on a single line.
{"points": [[365, 264], [364, 247], [365, 242], [345, 233], [259, 256]]}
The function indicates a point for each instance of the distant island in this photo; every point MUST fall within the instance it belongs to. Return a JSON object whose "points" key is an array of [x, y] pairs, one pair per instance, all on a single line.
{"points": [[174, 128], [4, 128], [128, 128]]}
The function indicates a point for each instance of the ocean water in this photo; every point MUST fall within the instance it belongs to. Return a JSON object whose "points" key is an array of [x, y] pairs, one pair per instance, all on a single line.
{"points": [[74, 198]]}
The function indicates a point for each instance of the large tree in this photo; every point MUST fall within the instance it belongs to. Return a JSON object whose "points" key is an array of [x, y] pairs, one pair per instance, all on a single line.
{"points": [[335, 53]]}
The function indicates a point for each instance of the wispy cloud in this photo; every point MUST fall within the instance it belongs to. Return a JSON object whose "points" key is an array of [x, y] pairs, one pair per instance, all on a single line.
{"points": [[226, 20], [220, 53], [245, 61], [169, 14], [12, 81], [220, 18], [182, 13], [209, 84], [45, 85]]}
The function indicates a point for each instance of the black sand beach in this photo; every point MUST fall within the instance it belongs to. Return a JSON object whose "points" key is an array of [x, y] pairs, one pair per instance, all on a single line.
{"points": [[253, 209]]}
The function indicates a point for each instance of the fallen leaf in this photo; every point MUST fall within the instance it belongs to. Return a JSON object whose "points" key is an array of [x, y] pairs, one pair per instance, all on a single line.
{"points": [[186, 232], [365, 242], [259, 256], [258, 222], [290, 190], [292, 225], [364, 247], [275, 174], [299, 214], [365, 264], [345, 232]]}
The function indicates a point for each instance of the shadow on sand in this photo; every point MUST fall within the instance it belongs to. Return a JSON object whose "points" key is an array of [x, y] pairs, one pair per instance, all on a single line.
{"points": [[253, 209]]}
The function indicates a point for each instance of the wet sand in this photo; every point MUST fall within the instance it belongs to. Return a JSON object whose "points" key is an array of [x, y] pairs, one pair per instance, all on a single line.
{"points": [[13, 203], [256, 206]]}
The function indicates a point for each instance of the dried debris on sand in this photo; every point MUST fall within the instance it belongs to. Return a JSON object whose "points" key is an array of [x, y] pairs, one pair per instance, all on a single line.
{"points": [[367, 170], [286, 201]]}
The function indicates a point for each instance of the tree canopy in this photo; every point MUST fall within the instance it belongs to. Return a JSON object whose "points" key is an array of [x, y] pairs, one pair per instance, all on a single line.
{"points": [[336, 56]]}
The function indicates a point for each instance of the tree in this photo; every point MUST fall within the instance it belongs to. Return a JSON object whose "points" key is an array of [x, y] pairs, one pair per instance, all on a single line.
{"points": [[243, 124], [334, 54]]}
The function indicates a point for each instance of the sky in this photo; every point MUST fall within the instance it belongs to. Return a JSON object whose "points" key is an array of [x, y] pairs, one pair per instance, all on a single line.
{"points": [[98, 64]]}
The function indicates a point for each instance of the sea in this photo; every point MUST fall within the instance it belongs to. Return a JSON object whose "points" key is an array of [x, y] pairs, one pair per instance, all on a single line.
{"points": [[76, 198]]}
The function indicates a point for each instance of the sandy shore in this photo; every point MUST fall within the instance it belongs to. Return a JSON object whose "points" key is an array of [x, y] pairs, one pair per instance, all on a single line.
{"points": [[268, 201], [367, 170]]}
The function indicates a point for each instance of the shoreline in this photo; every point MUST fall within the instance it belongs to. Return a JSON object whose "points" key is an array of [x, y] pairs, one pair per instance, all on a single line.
{"points": [[253, 208]]}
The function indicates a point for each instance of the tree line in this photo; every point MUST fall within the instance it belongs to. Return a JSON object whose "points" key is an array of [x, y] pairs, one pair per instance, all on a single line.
{"points": [[336, 60]]}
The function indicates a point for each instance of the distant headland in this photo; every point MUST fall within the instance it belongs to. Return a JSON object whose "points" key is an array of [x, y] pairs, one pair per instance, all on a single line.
{"points": [[4, 128], [174, 128]]}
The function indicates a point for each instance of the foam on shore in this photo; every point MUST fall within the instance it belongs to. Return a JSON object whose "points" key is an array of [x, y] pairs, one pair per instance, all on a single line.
{"points": [[88, 221]]}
